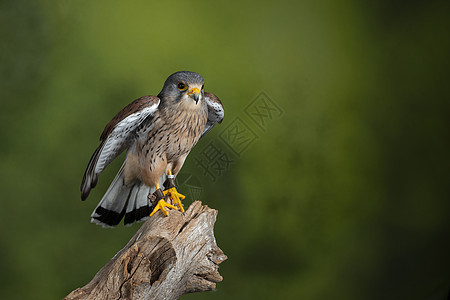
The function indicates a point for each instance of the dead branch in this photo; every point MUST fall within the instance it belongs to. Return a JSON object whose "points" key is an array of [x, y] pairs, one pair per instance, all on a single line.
{"points": [[166, 258]]}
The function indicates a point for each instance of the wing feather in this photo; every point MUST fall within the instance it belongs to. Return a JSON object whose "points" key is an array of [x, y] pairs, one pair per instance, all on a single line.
{"points": [[117, 136], [215, 112]]}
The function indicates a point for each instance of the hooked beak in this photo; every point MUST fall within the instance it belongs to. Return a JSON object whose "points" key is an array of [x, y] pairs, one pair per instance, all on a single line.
{"points": [[194, 94]]}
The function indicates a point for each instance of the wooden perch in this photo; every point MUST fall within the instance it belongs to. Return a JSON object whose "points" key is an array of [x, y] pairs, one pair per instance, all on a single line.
{"points": [[166, 258]]}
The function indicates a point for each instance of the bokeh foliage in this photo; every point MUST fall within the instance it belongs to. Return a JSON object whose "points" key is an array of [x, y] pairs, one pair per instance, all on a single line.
{"points": [[344, 197]]}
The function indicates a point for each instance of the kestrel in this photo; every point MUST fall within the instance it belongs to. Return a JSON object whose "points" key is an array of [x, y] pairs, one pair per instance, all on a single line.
{"points": [[158, 134]]}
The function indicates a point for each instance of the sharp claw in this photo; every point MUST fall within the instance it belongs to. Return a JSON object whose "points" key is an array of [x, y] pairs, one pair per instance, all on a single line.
{"points": [[162, 206], [176, 197], [171, 206]]}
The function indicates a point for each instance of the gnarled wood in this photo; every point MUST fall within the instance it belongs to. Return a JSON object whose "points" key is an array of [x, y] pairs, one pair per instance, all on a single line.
{"points": [[166, 258]]}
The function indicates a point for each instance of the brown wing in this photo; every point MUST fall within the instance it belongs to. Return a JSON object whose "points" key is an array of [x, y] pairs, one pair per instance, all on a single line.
{"points": [[215, 112], [117, 136], [135, 106]]}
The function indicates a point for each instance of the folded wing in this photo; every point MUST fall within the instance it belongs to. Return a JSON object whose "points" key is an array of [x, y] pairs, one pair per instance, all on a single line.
{"points": [[215, 112], [118, 135]]}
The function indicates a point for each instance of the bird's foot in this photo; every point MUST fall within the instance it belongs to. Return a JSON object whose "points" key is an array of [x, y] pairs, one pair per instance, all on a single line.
{"points": [[175, 197], [162, 204]]}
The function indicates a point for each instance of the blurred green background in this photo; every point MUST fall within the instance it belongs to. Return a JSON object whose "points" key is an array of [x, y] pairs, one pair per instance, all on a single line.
{"points": [[344, 196]]}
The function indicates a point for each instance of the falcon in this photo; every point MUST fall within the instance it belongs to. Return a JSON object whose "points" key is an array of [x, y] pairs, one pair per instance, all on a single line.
{"points": [[157, 133]]}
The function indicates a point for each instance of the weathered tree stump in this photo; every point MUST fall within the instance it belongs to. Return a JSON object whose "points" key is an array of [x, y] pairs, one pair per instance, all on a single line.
{"points": [[166, 258]]}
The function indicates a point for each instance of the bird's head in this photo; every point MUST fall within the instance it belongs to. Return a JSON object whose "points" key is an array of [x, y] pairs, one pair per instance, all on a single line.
{"points": [[183, 87]]}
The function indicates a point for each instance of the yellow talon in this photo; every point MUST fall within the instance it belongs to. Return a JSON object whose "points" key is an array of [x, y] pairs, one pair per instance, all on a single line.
{"points": [[175, 197], [162, 206]]}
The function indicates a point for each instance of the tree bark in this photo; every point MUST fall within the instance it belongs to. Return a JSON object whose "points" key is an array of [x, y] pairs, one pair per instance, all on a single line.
{"points": [[166, 258]]}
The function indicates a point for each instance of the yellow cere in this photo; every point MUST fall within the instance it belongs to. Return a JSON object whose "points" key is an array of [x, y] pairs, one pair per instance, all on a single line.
{"points": [[194, 91]]}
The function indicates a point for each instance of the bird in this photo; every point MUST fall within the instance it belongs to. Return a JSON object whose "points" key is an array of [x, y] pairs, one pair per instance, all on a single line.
{"points": [[157, 133]]}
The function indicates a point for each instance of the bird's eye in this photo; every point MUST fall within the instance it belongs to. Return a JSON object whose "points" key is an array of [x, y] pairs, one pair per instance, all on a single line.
{"points": [[181, 86]]}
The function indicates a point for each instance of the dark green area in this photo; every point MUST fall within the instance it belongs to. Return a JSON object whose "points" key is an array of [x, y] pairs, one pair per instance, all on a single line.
{"points": [[344, 196]]}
